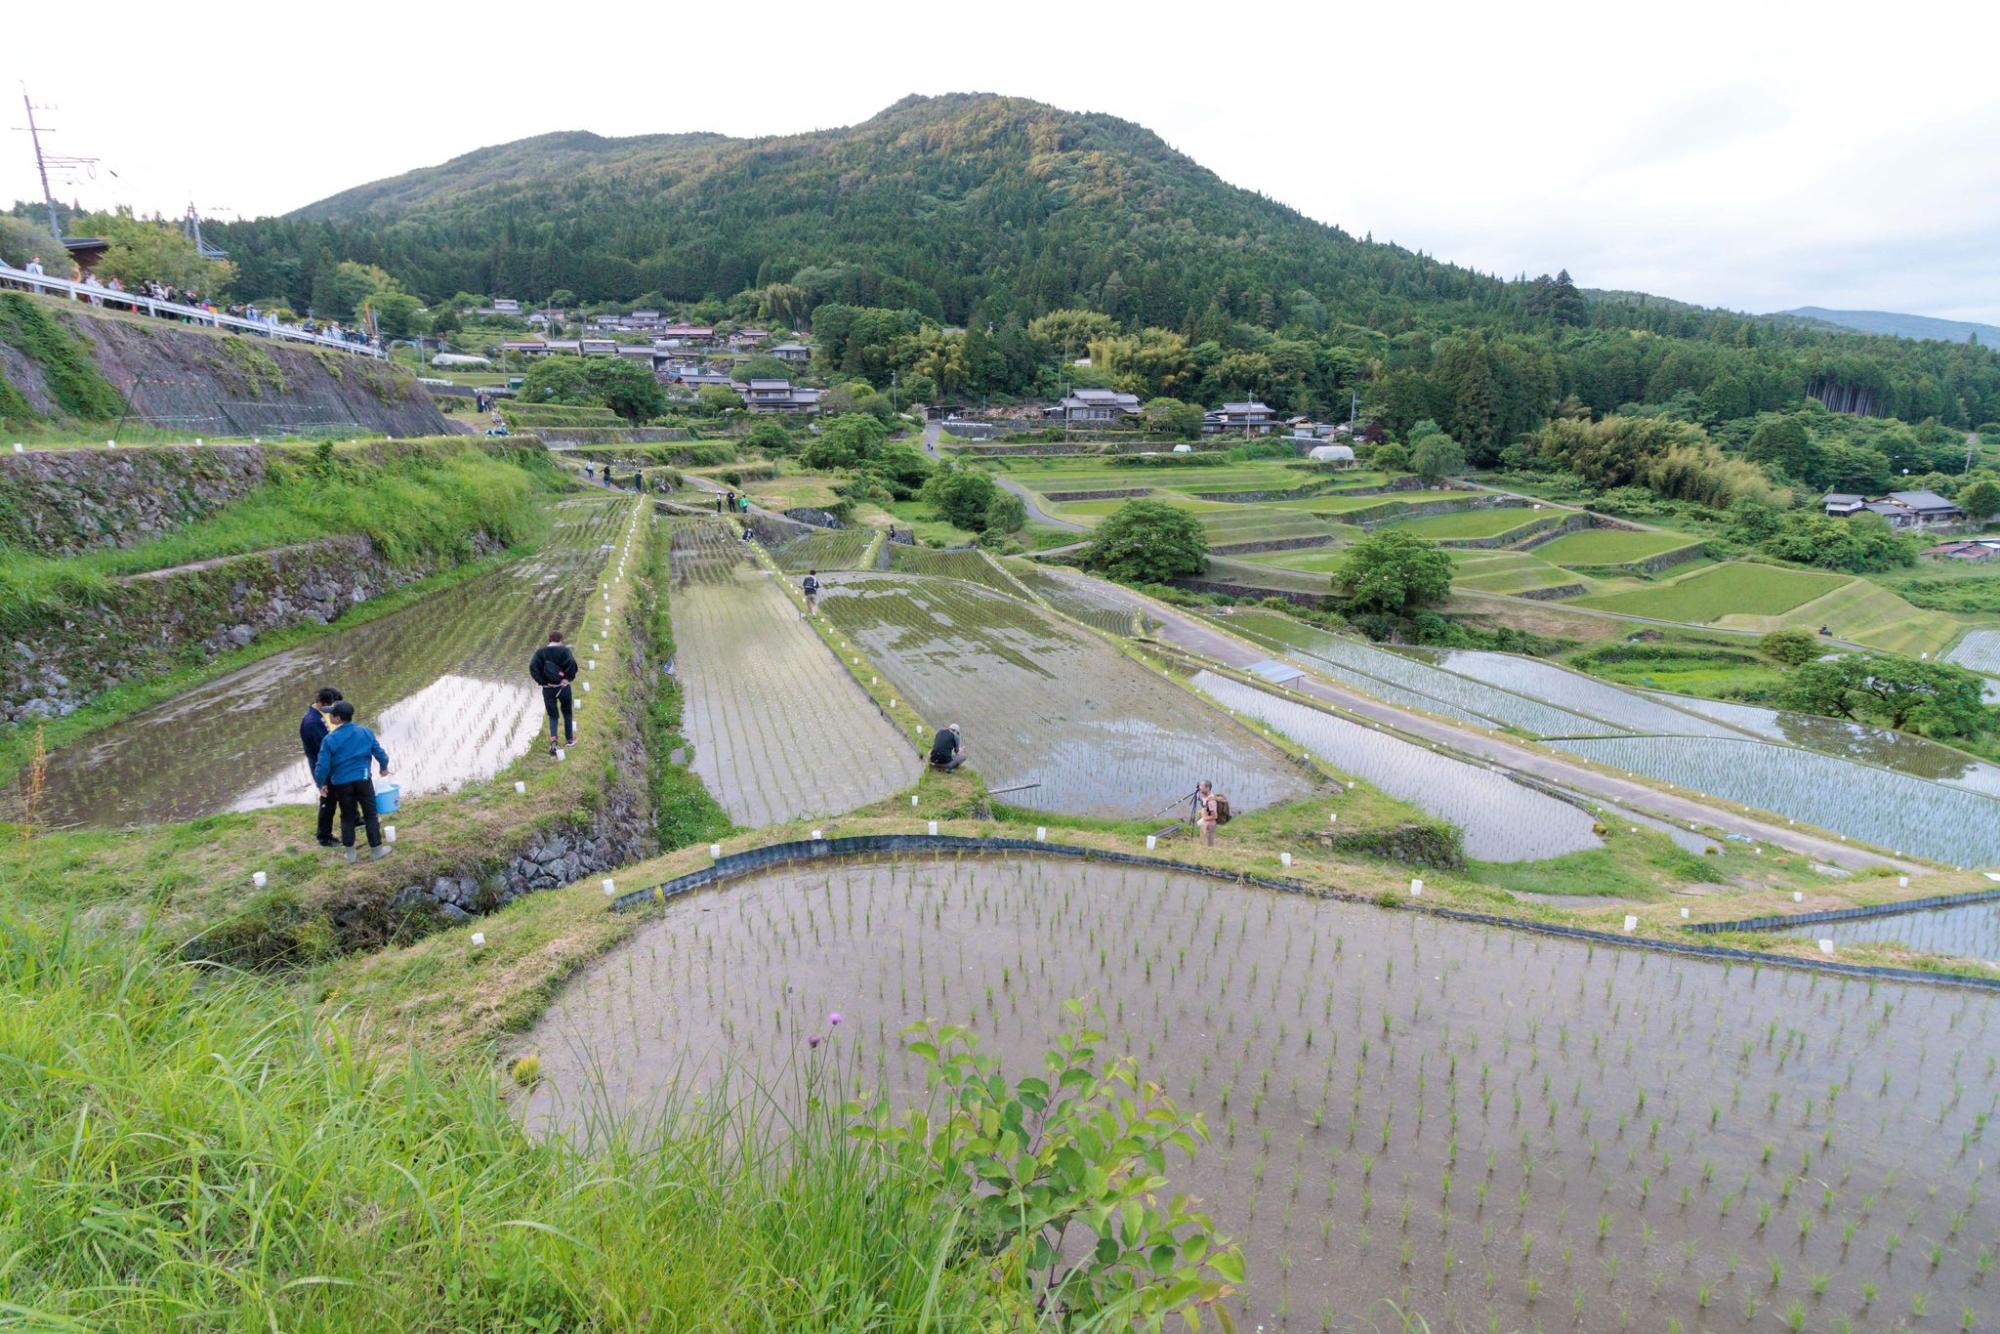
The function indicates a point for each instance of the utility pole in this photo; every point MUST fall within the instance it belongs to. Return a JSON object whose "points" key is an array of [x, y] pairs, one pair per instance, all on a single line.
{"points": [[42, 166]]}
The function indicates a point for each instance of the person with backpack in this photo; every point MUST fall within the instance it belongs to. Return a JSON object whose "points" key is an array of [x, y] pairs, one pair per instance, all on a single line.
{"points": [[554, 669], [811, 587], [1211, 809], [342, 774], [948, 748]]}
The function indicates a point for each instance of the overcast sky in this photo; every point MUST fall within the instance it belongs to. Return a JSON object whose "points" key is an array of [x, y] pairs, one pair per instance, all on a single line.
{"points": [[1750, 155]]}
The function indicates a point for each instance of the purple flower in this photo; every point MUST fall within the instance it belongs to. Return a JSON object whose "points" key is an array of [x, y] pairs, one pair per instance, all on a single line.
{"points": [[834, 1019], [813, 1041]]}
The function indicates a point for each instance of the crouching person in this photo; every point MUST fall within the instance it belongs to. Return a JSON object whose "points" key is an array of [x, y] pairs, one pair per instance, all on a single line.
{"points": [[342, 774]]}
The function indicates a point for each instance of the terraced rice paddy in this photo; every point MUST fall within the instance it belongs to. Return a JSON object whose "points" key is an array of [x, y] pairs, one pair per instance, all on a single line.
{"points": [[1403, 680], [1867, 613], [1736, 588], [778, 728], [1467, 523], [1965, 931], [1889, 810], [1979, 650], [443, 683], [1610, 546], [1236, 524], [1900, 751], [1506, 571], [1098, 475], [1625, 710], [1075, 596], [1336, 502], [969, 565], [835, 549], [1259, 570], [1047, 704], [1503, 821], [1484, 1127]]}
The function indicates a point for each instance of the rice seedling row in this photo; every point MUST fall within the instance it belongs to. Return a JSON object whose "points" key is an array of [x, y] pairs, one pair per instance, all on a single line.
{"points": [[1558, 686], [1968, 931], [1047, 704], [1887, 809], [836, 549], [1075, 597], [778, 728], [1365, 666], [1979, 650], [966, 564], [442, 682], [1503, 821], [1485, 1128], [1901, 751]]}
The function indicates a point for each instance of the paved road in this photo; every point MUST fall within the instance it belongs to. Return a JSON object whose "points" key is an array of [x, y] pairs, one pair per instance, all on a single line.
{"points": [[1036, 514], [931, 433], [1198, 636]]}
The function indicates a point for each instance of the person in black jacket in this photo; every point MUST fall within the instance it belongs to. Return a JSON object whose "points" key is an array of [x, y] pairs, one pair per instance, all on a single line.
{"points": [[554, 670], [312, 731]]}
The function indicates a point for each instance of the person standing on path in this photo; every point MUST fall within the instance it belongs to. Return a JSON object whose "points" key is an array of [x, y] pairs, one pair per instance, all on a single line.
{"points": [[342, 774], [312, 732], [554, 669], [811, 588]]}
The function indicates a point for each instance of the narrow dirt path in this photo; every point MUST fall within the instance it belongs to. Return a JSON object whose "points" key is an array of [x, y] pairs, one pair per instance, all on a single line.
{"points": [[1036, 514]]}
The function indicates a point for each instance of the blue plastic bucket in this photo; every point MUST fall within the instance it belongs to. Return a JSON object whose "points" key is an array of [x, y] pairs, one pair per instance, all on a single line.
{"points": [[386, 797]]}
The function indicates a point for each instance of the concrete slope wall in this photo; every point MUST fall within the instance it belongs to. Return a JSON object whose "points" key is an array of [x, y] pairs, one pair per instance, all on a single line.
{"points": [[208, 383]]}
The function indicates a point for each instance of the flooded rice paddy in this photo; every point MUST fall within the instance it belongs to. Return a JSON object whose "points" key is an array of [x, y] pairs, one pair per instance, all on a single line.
{"points": [[1044, 703], [1890, 810], [779, 729], [1503, 821], [1979, 650], [443, 683], [1486, 1127], [1901, 751], [1965, 931]]}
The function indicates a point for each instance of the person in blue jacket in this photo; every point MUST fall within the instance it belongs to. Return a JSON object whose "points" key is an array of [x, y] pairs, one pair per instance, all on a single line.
{"points": [[342, 775], [312, 731]]}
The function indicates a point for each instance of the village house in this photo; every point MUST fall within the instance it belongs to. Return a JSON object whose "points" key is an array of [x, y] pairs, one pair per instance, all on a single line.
{"points": [[502, 305], [1092, 406], [1978, 551], [779, 396], [598, 347], [688, 335], [1901, 509], [1250, 418], [526, 347], [792, 354]]}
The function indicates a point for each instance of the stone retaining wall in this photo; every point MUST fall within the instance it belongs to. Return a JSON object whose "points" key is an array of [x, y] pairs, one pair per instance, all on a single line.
{"points": [[151, 623], [1553, 523], [55, 502], [1553, 593], [1122, 493], [1275, 544], [1422, 509], [1293, 596], [1651, 565], [1326, 487]]}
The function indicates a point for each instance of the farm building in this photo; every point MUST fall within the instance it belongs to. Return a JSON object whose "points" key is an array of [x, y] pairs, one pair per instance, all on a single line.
{"points": [[1902, 509], [1338, 454], [1978, 551], [1249, 418], [1096, 405]]}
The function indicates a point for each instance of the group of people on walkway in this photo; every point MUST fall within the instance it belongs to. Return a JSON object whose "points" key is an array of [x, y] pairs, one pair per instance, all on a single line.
{"points": [[338, 751]]}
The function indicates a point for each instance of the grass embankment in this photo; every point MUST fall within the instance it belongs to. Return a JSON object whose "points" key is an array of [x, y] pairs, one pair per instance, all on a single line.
{"points": [[211, 1153], [77, 388], [193, 880], [417, 501]]}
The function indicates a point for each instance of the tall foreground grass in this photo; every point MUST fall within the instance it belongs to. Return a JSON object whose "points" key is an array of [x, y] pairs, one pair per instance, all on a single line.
{"points": [[183, 1150]]}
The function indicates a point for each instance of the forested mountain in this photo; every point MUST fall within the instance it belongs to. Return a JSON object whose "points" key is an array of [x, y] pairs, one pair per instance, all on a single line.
{"points": [[1897, 325], [995, 213]]}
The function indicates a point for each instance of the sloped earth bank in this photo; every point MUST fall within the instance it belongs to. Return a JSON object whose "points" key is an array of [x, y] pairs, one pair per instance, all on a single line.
{"points": [[444, 684], [1046, 704], [1486, 1127], [779, 729]]}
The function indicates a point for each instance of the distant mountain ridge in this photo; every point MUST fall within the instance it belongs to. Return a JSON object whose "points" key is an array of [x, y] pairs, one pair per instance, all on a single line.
{"points": [[1895, 325]]}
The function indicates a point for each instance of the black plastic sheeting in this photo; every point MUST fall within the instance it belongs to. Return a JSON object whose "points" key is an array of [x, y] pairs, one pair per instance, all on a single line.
{"points": [[1783, 921], [736, 865]]}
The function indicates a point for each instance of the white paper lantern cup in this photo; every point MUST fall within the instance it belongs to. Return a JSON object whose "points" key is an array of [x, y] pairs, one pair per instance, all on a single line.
{"points": [[933, 826], [1631, 922], [1284, 859], [259, 879], [610, 887], [388, 833], [1152, 842], [714, 850], [1417, 888], [479, 940], [519, 787]]}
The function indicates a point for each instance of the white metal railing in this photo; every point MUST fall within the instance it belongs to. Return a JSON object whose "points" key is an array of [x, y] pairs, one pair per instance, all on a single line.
{"points": [[139, 301]]}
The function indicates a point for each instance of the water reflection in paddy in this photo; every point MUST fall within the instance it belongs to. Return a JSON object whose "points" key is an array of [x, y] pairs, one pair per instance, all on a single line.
{"points": [[443, 682]]}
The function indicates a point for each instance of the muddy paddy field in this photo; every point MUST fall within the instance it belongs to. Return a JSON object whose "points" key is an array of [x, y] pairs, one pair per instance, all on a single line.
{"points": [[1488, 1127], [443, 683], [1052, 706]]}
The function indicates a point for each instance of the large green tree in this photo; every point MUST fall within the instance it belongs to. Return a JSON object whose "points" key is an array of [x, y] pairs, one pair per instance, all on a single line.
{"points": [[1148, 542], [1934, 698], [1392, 573]]}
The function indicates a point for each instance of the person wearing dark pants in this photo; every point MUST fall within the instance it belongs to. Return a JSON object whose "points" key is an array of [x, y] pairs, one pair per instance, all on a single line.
{"points": [[554, 669], [342, 774], [312, 731], [948, 748]]}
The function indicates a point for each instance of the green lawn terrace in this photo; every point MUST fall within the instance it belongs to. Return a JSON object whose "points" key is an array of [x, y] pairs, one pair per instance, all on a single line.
{"points": [[1612, 546], [1485, 1127], [1051, 709]]}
